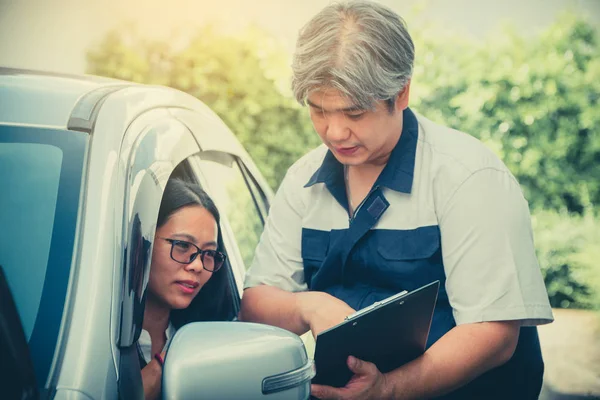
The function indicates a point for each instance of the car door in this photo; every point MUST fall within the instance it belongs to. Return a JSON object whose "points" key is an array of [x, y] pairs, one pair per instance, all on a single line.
{"points": [[167, 148], [154, 145]]}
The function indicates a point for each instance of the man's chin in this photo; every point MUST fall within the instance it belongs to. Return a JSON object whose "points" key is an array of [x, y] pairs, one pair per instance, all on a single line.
{"points": [[353, 160]]}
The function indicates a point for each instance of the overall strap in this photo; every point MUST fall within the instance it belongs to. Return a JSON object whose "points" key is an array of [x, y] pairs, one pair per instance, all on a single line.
{"points": [[331, 271]]}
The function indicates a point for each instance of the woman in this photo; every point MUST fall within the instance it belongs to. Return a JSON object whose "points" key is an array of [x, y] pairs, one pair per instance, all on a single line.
{"points": [[188, 277]]}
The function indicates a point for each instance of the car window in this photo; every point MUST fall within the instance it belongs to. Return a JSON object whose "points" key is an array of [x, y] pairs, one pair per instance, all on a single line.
{"points": [[29, 212], [238, 196], [40, 182]]}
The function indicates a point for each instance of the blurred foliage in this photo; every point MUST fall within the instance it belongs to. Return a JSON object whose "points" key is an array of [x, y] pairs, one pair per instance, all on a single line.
{"points": [[533, 100], [245, 222], [568, 253], [244, 79]]}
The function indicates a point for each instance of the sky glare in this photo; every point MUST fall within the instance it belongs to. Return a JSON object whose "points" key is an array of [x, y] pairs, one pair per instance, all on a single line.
{"points": [[55, 34]]}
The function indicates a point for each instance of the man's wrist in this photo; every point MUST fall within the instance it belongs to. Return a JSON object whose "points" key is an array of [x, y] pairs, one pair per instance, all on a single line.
{"points": [[388, 387], [303, 307], [307, 303]]}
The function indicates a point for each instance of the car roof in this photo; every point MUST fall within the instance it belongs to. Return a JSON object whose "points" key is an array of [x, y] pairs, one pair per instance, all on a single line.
{"points": [[44, 98], [73, 102]]}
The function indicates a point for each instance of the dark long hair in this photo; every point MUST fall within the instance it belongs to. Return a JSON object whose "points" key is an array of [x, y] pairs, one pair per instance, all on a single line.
{"points": [[214, 301]]}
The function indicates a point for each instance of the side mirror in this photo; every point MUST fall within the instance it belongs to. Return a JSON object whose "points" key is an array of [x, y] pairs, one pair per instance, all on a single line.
{"points": [[236, 360], [17, 379]]}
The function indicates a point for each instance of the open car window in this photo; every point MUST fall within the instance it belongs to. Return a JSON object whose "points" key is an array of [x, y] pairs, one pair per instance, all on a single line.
{"points": [[229, 306], [239, 196]]}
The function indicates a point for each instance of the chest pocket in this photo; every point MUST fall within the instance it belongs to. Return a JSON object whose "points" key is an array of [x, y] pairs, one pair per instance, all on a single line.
{"points": [[315, 245], [409, 259]]}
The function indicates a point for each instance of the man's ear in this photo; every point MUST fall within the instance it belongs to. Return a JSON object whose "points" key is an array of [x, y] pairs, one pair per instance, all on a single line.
{"points": [[402, 99]]}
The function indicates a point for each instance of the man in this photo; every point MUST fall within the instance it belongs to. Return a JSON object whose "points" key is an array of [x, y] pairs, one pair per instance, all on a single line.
{"points": [[391, 202]]}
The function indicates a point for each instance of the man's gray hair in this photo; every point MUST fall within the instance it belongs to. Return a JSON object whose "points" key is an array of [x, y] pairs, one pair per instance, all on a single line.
{"points": [[360, 48]]}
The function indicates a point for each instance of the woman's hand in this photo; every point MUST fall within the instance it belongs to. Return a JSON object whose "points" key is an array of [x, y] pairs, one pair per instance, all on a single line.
{"points": [[152, 378], [321, 311], [367, 383]]}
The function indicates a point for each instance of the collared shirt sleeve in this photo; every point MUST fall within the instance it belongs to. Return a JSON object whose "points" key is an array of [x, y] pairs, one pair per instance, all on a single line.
{"points": [[492, 273], [278, 260]]}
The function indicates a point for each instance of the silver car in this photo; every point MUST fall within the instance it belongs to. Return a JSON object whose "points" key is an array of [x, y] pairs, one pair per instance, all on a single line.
{"points": [[83, 164]]}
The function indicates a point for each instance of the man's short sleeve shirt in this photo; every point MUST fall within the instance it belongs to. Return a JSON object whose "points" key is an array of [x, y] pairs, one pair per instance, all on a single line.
{"points": [[436, 178]]}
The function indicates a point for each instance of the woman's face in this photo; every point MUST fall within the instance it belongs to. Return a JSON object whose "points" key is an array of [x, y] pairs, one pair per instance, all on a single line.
{"points": [[172, 283]]}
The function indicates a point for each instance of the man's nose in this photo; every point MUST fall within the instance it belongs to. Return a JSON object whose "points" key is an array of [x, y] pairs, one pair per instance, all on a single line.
{"points": [[337, 128]]}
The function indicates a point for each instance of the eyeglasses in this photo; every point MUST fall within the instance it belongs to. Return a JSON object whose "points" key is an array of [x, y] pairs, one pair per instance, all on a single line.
{"points": [[185, 253]]}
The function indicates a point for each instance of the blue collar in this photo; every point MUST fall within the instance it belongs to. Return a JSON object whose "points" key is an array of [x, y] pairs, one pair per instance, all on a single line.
{"points": [[396, 175]]}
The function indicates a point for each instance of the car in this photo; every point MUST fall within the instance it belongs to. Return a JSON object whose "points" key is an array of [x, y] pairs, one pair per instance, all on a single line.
{"points": [[83, 164]]}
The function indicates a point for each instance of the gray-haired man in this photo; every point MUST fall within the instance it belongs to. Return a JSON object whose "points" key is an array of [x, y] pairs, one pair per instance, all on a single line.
{"points": [[392, 201]]}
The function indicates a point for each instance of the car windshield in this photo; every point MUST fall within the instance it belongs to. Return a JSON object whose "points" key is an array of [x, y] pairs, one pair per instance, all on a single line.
{"points": [[40, 178]]}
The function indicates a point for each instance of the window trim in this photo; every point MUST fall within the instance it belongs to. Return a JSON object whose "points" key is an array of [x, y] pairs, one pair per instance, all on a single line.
{"points": [[261, 205], [146, 167]]}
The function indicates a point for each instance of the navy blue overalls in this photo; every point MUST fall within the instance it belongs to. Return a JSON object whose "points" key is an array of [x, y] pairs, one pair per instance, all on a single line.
{"points": [[360, 266]]}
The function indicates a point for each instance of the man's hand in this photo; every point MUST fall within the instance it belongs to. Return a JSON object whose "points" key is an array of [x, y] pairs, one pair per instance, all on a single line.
{"points": [[367, 383], [298, 312], [321, 311]]}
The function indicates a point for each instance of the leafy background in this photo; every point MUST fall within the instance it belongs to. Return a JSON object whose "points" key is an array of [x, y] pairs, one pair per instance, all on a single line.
{"points": [[534, 100]]}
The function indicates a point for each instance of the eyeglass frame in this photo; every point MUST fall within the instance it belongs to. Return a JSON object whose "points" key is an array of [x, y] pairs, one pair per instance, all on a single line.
{"points": [[195, 255]]}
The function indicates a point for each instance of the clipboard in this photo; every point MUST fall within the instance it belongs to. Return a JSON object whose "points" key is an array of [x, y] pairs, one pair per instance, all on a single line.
{"points": [[388, 333]]}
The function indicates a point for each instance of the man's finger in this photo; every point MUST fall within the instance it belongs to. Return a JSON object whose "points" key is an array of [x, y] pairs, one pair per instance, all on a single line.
{"points": [[325, 392], [360, 367]]}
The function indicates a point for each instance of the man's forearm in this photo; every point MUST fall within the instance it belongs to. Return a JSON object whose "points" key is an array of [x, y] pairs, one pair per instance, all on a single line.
{"points": [[461, 355], [273, 306]]}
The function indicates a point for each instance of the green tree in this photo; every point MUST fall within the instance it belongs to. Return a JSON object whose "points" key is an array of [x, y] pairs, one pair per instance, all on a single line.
{"points": [[244, 79], [533, 101], [568, 253]]}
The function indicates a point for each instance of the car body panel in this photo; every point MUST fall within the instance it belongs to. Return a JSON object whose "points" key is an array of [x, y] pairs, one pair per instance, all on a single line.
{"points": [[41, 98], [138, 135]]}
